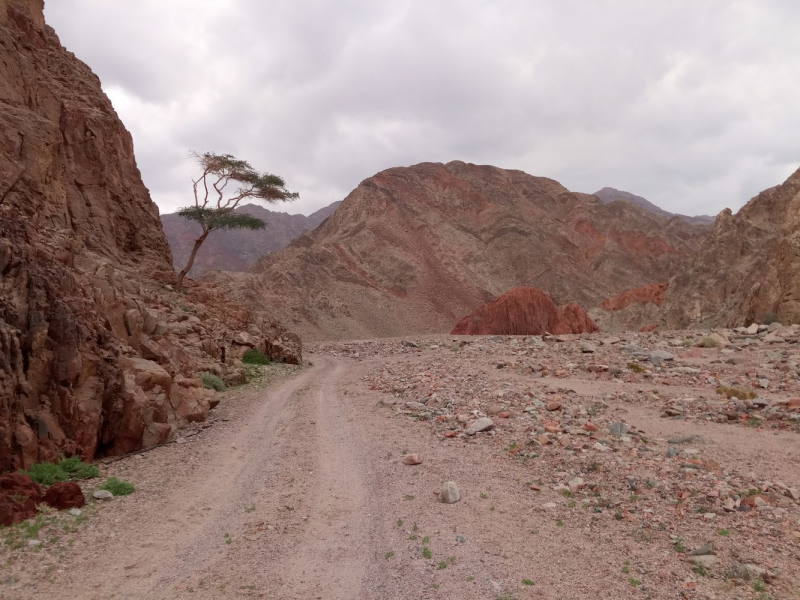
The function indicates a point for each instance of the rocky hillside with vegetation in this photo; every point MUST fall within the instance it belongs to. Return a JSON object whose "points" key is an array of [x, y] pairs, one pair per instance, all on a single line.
{"points": [[238, 250], [98, 356]]}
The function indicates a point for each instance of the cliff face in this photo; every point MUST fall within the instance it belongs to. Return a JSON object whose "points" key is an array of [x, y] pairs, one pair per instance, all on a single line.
{"points": [[238, 250], [747, 270], [96, 355], [413, 249]]}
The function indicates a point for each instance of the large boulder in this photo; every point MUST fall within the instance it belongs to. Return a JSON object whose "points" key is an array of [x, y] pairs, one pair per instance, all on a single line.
{"points": [[19, 496], [63, 495], [525, 311]]}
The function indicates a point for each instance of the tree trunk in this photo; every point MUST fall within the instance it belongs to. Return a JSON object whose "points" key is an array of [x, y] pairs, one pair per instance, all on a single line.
{"points": [[197, 243]]}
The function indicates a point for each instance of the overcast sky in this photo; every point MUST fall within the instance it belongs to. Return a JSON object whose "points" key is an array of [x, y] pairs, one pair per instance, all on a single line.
{"points": [[692, 104]]}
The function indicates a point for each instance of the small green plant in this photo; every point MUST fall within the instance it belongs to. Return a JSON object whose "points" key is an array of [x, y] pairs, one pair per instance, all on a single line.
{"points": [[118, 487], [47, 473], [426, 540], [254, 356], [228, 538], [700, 570], [734, 392], [572, 504], [634, 582], [679, 545], [484, 495], [470, 578], [77, 469], [527, 582], [723, 532], [426, 553], [409, 497], [415, 528], [708, 342], [442, 565], [212, 382], [636, 367], [559, 523], [250, 508], [567, 493], [626, 569], [399, 522], [759, 585], [754, 422], [389, 554]]}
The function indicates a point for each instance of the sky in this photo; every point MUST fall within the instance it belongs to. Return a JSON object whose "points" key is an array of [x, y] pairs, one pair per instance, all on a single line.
{"points": [[692, 104]]}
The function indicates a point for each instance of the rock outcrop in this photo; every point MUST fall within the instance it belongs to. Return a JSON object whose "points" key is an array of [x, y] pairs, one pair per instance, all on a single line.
{"points": [[412, 250], [97, 355], [525, 311], [237, 250], [748, 270], [631, 310]]}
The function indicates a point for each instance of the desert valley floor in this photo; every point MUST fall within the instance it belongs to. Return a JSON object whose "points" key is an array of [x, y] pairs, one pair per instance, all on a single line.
{"points": [[605, 467]]}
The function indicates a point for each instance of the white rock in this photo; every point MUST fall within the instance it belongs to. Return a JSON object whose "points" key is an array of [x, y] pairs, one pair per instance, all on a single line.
{"points": [[482, 424], [450, 493], [103, 495]]}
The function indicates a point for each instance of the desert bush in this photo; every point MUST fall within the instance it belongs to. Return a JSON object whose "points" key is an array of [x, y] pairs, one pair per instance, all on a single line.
{"points": [[636, 367], [734, 392], [212, 382], [77, 469], [47, 473], [118, 487], [708, 342], [254, 356]]}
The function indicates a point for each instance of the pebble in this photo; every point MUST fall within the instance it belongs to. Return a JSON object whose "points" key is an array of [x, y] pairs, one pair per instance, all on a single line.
{"points": [[412, 459], [482, 424], [103, 495]]}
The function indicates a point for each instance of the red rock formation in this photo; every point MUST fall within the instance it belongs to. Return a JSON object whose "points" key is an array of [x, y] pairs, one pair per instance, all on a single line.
{"points": [[63, 495], [647, 294], [525, 311], [19, 496], [748, 270], [413, 249], [97, 356]]}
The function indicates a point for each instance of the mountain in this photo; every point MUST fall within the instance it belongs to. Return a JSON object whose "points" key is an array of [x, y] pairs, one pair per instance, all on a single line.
{"points": [[609, 194], [237, 250], [97, 355], [414, 249], [748, 270]]}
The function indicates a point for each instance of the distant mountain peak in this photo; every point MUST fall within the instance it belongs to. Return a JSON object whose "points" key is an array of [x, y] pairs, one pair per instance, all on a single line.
{"points": [[610, 194]]}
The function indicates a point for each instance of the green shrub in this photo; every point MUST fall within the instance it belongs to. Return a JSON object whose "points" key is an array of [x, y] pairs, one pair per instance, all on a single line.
{"points": [[118, 487], [212, 382], [636, 367], [47, 474], [254, 356], [708, 342], [77, 469]]}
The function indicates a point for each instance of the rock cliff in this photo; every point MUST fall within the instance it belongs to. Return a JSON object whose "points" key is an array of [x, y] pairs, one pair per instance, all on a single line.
{"points": [[748, 270], [414, 249], [97, 355]]}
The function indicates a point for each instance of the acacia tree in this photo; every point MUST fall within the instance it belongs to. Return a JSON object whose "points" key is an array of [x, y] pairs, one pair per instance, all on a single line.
{"points": [[214, 206]]}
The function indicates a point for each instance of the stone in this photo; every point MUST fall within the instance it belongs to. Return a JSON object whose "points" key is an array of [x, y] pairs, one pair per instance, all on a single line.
{"points": [[706, 561], [703, 550], [412, 459], [745, 572], [588, 348], [618, 428], [450, 493], [657, 356], [753, 329], [75, 512], [482, 424], [554, 405], [63, 495], [410, 344], [103, 495], [19, 495]]}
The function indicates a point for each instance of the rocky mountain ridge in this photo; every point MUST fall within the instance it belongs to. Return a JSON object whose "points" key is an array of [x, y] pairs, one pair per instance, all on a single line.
{"points": [[414, 249], [238, 250]]}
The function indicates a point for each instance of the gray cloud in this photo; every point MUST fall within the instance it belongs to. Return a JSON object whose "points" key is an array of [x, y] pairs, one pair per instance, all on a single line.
{"points": [[690, 104]]}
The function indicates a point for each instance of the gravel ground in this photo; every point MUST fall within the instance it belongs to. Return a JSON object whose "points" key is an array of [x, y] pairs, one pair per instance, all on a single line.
{"points": [[300, 489]]}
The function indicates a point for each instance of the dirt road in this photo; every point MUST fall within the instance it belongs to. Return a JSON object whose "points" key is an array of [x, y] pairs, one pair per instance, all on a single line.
{"points": [[299, 491]]}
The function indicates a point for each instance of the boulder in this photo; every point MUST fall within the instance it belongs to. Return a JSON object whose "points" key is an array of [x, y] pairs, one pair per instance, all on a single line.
{"points": [[525, 311], [450, 493], [63, 495], [19, 495]]}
